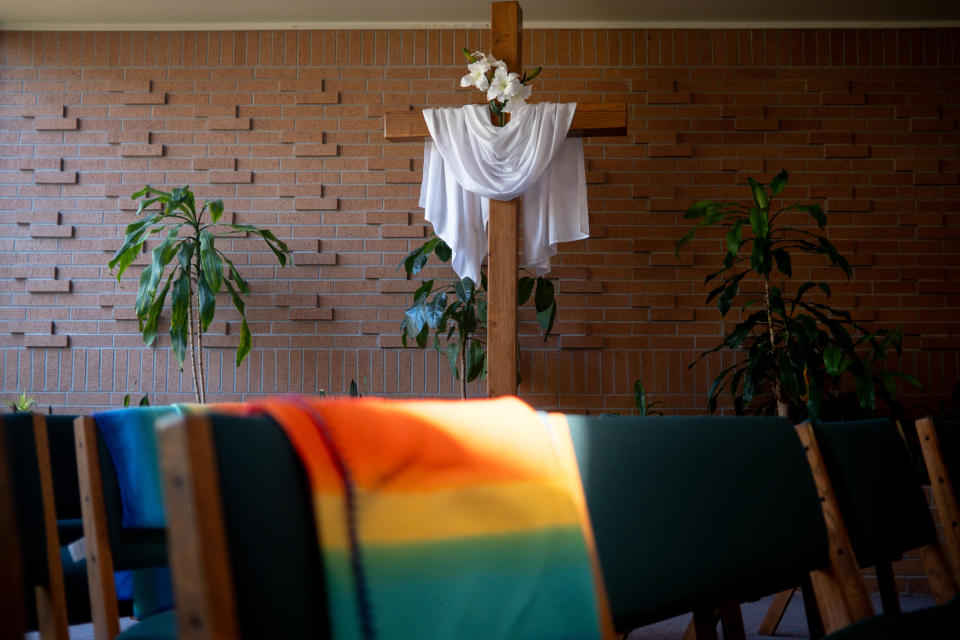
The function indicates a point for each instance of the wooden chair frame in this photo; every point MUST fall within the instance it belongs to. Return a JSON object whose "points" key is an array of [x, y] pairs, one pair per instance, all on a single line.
{"points": [[199, 556], [103, 590], [51, 599], [942, 583], [944, 492]]}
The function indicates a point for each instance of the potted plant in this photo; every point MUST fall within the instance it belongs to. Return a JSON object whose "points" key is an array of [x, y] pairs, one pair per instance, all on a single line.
{"points": [[194, 269], [796, 353], [456, 311]]}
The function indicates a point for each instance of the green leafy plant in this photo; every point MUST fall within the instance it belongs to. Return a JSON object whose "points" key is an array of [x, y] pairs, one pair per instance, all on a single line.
{"points": [[456, 312], [23, 404], [194, 268], [644, 406], [797, 353], [144, 401]]}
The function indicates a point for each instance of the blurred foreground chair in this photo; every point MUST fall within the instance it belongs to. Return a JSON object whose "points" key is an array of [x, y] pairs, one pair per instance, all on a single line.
{"points": [[700, 514], [940, 443], [880, 496], [243, 542], [41, 587], [111, 546]]}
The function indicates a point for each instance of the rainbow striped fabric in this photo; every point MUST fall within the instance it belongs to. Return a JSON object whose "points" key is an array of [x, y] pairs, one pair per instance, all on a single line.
{"points": [[462, 519]]}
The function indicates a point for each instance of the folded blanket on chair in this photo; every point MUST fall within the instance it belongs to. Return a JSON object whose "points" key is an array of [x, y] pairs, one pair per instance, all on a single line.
{"points": [[443, 519]]}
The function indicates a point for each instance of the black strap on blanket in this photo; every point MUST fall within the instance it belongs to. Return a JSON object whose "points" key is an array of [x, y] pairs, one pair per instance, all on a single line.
{"points": [[362, 592]]}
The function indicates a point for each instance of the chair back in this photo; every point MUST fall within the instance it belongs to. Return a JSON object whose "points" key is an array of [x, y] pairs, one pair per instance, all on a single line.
{"points": [[878, 488], [694, 512], [248, 477]]}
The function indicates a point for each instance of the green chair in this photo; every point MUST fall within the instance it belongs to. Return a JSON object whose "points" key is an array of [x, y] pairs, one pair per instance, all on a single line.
{"points": [[42, 506], [940, 443], [110, 546], [696, 514], [243, 542], [879, 494]]}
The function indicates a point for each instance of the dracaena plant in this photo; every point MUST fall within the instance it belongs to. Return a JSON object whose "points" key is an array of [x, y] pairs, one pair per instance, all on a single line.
{"points": [[456, 312], [189, 266], [796, 354]]}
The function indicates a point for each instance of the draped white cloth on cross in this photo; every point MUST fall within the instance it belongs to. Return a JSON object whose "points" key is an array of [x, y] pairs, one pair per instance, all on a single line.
{"points": [[468, 161]]}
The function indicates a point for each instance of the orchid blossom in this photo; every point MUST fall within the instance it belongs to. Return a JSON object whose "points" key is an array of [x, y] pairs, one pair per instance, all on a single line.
{"points": [[517, 94], [501, 81]]}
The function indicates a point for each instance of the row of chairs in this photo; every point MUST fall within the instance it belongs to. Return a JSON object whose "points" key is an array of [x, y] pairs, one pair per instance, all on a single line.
{"points": [[689, 514]]}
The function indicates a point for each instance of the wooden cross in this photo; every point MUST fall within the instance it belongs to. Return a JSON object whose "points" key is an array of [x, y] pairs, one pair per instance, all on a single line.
{"points": [[598, 119]]}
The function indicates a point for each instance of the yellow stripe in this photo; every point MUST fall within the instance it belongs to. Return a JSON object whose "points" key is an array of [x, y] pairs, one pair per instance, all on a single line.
{"points": [[390, 518]]}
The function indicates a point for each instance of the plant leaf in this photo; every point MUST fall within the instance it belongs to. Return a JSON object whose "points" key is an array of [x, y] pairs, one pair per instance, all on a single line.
{"points": [[779, 182], [216, 209], [180, 304], [543, 297], [208, 303], [464, 289], [212, 265], [546, 319], [759, 194], [524, 289], [783, 262]]}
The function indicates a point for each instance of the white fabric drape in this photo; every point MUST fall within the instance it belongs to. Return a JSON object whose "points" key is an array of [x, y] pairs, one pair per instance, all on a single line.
{"points": [[468, 161]]}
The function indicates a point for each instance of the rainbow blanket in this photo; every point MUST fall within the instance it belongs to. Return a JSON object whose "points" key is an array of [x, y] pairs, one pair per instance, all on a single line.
{"points": [[442, 519]]}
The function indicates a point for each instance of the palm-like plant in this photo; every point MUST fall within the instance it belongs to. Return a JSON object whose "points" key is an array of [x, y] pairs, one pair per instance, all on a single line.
{"points": [[197, 267], [795, 351]]}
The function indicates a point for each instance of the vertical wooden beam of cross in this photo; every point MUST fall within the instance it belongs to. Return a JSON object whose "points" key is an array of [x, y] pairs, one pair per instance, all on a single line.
{"points": [[597, 119]]}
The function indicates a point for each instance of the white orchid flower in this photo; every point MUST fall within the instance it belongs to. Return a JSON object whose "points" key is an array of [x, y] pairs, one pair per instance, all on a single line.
{"points": [[498, 86], [478, 74], [517, 94]]}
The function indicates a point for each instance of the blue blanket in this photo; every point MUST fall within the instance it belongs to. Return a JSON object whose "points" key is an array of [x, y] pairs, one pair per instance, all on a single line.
{"points": [[132, 443]]}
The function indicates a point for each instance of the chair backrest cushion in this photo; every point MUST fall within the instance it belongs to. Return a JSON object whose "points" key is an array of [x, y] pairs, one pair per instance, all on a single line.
{"points": [[692, 512], [878, 488], [268, 514]]}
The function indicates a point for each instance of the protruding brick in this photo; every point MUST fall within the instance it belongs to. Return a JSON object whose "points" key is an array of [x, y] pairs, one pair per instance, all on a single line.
{"points": [[308, 313], [145, 98], [50, 342], [315, 204], [46, 164], [51, 231], [228, 124], [55, 124], [318, 97], [55, 177], [48, 286], [231, 177], [305, 259], [141, 150], [311, 150], [288, 136]]}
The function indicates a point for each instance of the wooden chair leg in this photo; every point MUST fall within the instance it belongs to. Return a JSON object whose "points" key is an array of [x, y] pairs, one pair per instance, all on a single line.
{"points": [[12, 604], [944, 493], [103, 591], [775, 613], [51, 598], [942, 584], [889, 594], [732, 621], [840, 592]]}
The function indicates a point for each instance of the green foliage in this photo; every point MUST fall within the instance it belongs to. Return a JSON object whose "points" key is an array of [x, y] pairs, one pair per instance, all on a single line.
{"points": [[797, 352], [144, 401], [187, 260], [456, 312], [644, 406], [23, 404]]}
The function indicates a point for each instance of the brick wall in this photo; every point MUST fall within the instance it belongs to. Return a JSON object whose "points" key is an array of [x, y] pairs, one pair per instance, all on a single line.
{"points": [[286, 127]]}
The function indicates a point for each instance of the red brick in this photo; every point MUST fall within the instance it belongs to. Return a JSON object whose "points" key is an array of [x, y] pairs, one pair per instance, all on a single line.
{"points": [[228, 124], [135, 150], [318, 97], [55, 124], [145, 98], [313, 150], [51, 231], [230, 177], [55, 177], [315, 204], [48, 286]]}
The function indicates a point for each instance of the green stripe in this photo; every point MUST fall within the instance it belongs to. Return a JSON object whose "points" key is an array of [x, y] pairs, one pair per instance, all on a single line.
{"points": [[525, 585]]}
